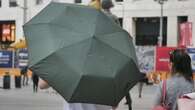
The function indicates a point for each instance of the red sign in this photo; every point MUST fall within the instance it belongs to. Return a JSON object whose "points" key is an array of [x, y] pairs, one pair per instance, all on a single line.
{"points": [[162, 58], [185, 34]]}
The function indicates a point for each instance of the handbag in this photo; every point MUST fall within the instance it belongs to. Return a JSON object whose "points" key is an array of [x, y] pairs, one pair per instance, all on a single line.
{"points": [[186, 102], [162, 106]]}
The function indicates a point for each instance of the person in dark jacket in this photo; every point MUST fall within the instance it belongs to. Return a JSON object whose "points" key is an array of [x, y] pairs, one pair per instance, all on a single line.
{"points": [[24, 74], [35, 79]]}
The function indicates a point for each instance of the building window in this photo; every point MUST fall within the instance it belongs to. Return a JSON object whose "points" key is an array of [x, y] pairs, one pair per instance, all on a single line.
{"points": [[39, 2], [78, 1], [147, 31], [119, 0], [12, 3], [0, 3], [7, 32], [182, 19]]}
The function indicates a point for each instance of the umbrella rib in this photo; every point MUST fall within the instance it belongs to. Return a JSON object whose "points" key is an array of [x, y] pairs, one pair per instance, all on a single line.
{"points": [[103, 34], [60, 49], [61, 26], [73, 44], [111, 47], [73, 94]]}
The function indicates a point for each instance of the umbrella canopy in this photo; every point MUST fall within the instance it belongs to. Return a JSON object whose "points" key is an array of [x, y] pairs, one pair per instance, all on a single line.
{"points": [[82, 53]]}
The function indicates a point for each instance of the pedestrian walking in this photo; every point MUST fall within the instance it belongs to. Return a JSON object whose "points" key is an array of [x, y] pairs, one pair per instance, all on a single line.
{"points": [[24, 74], [141, 83], [35, 79], [180, 82]]}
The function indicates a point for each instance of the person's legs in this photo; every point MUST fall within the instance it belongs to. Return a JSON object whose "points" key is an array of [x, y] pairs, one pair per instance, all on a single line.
{"points": [[26, 77], [140, 86], [129, 101], [34, 87], [23, 80]]}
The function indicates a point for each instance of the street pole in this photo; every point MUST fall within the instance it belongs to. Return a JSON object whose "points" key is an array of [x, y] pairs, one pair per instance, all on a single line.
{"points": [[122, 11], [25, 12], [161, 26], [160, 37], [24, 8]]}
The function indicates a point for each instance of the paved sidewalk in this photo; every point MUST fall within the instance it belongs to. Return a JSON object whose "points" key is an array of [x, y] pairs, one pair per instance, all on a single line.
{"points": [[144, 103], [25, 99]]}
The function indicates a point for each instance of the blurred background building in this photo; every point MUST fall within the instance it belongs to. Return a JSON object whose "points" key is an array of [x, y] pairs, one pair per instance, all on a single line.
{"points": [[141, 18]]}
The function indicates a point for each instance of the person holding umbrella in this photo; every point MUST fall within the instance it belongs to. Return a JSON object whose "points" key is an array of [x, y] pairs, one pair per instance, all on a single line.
{"points": [[77, 106], [35, 79], [96, 64], [180, 82]]}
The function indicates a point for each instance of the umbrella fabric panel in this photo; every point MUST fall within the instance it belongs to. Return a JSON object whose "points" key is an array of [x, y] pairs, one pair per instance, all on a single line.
{"points": [[62, 78], [78, 20], [103, 60], [121, 41], [48, 14], [42, 36], [94, 91], [105, 26], [67, 17], [70, 38], [46, 40], [73, 56]]}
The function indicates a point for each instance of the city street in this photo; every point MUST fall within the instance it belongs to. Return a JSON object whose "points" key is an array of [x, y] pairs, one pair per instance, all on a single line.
{"points": [[25, 99], [104, 43]]}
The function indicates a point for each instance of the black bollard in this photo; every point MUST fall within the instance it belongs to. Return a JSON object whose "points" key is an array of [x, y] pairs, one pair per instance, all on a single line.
{"points": [[17, 81], [6, 81]]}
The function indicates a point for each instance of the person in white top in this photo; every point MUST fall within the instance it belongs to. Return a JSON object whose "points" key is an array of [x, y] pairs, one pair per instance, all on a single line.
{"points": [[78, 106]]}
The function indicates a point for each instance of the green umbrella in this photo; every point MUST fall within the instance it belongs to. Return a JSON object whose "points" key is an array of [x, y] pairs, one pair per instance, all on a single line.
{"points": [[82, 54]]}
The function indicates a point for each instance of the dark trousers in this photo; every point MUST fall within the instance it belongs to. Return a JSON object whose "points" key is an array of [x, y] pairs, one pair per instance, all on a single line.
{"points": [[35, 87], [129, 101], [35, 83]]}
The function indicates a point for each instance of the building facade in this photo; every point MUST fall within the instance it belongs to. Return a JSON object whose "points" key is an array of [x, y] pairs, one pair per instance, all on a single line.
{"points": [[174, 12], [140, 17]]}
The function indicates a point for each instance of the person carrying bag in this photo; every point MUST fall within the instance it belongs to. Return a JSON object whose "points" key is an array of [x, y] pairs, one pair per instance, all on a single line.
{"points": [[180, 81], [162, 106]]}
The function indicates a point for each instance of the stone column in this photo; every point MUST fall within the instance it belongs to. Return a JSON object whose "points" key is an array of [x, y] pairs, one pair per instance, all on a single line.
{"points": [[172, 31], [129, 26], [4, 3]]}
